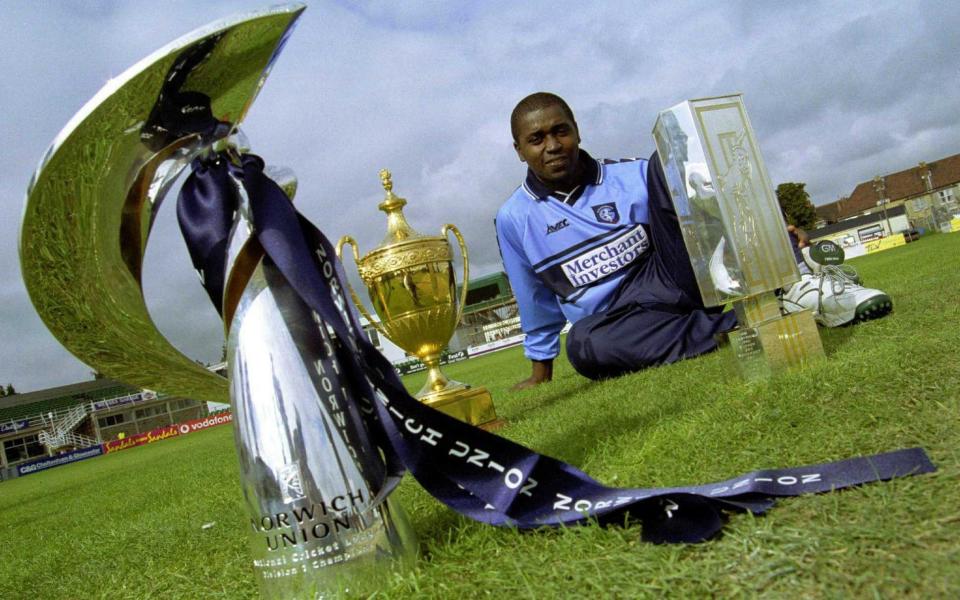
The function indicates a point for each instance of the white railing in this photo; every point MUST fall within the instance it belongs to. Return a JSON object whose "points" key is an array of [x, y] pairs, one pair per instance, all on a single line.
{"points": [[54, 441], [70, 420], [61, 432]]}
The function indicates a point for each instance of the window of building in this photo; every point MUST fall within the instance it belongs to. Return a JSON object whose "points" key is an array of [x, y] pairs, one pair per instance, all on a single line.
{"points": [[949, 201], [110, 420], [869, 233], [150, 411], [482, 293], [18, 449]]}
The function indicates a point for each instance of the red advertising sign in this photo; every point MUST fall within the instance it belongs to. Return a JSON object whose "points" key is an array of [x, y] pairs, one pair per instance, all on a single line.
{"points": [[162, 433], [208, 421], [139, 439]]}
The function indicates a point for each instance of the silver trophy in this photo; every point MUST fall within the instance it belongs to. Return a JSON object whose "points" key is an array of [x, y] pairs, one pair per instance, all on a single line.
{"points": [[319, 523], [734, 230]]}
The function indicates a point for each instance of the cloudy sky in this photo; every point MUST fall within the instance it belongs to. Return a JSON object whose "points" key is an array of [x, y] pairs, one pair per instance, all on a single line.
{"points": [[837, 91]]}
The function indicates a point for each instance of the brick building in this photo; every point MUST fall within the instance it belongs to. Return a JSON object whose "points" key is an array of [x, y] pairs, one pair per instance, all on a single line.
{"points": [[929, 194]]}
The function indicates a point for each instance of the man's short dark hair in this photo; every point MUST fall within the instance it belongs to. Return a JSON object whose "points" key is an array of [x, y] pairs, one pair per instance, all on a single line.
{"points": [[536, 101]]}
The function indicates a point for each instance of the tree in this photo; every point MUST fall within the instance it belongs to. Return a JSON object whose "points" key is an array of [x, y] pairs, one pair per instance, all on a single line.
{"points": [[9, 391], [796, 205]]}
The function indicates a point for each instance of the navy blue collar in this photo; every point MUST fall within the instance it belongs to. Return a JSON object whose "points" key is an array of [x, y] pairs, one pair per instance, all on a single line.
{"points": [[591, 173]]}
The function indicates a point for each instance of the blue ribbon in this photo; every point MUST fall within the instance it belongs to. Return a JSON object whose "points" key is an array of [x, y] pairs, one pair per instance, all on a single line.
{"points": [[476, 473]]}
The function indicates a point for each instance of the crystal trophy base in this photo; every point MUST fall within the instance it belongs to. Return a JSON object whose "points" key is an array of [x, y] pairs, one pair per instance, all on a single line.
{"points": [[473, 405], [767, 343]]}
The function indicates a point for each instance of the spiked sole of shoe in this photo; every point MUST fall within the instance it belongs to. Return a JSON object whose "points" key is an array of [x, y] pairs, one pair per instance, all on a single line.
{"points": [[874, 308]]}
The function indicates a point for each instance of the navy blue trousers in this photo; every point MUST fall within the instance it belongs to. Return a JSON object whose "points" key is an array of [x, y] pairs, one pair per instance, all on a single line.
{"points": [[657, 315]]}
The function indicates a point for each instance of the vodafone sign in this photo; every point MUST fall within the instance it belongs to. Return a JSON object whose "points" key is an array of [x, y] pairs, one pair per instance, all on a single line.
{"points": [[211, 421]]}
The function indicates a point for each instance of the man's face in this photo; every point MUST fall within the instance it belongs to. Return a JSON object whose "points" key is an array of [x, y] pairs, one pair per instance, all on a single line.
{"points": [[548, 141]]}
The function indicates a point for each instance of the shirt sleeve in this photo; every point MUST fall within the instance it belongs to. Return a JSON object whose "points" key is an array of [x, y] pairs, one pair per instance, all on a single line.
{"points": [[639, 208], [540, 316]]}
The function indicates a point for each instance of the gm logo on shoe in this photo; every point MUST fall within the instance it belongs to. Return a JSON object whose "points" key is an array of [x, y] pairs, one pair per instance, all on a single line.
{"points": [[827, 253], [557, 226]]}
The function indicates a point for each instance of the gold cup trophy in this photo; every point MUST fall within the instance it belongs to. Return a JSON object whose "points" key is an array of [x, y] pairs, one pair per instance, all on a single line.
{"points": [[412, 286]]}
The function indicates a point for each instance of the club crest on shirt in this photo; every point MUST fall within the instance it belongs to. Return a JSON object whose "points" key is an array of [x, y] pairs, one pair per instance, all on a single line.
{"points": [[607, 212]]}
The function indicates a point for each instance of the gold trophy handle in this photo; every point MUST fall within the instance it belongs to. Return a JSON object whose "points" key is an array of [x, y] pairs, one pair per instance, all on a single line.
{"points": [[466, 269], [353, 294]]}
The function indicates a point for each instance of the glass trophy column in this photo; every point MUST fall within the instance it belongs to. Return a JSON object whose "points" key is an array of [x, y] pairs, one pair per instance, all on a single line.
{"points": [[734, 231]]}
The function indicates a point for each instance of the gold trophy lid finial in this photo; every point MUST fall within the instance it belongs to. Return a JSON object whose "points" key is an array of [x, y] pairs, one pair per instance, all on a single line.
{"points": [[398, 229], [386, 180], [392, 201]]}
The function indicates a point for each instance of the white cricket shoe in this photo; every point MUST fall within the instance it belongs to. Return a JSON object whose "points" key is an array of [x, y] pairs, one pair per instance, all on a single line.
{"points": [[835, 298], [815, 258]]}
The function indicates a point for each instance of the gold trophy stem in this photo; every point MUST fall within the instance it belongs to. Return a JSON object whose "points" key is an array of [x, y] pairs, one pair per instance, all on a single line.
{"points": [[470, 404], [437, 383]]}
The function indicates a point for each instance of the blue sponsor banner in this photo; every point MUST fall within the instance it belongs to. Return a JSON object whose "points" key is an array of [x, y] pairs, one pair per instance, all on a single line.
{"points": [[14, 426], [102, 404], [60, 459]]}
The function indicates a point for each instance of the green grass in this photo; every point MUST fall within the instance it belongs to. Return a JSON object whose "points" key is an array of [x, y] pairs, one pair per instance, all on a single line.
{"points": [[130, 525]]}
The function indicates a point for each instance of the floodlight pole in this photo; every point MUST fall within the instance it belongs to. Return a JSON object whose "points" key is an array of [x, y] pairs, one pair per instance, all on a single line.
{"points": [[880, 186], [927, 176]]}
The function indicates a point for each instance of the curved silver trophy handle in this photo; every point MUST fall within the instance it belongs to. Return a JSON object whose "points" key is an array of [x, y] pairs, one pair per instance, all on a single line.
{"points": [[310, 474], [91, 203]]}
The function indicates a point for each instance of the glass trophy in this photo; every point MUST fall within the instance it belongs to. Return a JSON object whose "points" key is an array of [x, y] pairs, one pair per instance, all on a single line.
{"points": [[734, 230]]}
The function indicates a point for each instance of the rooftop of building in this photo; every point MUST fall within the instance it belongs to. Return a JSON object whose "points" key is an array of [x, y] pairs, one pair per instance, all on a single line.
{"points": [[901, 185], [19, 406]]}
